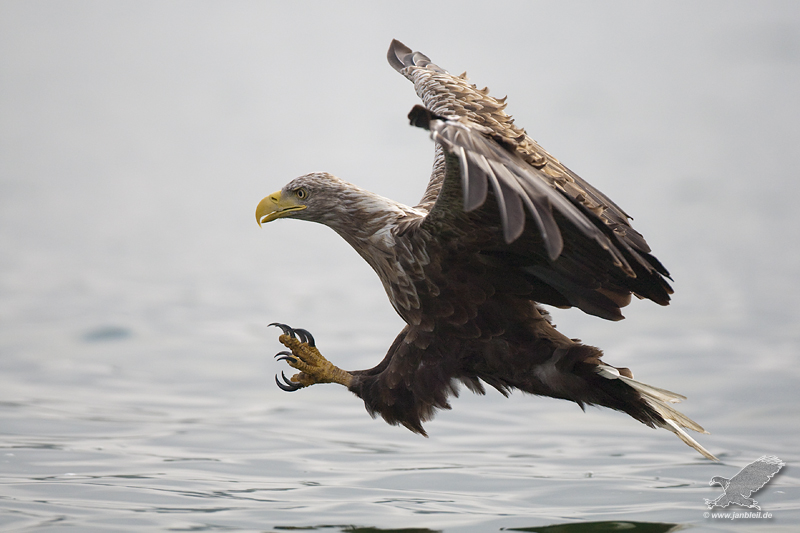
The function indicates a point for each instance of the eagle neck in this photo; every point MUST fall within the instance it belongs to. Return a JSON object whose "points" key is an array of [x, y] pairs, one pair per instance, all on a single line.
{"points": [[371, 228], [376, 228]]}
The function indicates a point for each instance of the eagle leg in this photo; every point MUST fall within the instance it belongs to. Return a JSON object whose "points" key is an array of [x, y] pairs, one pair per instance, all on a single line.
{"points": [[305, 357]]}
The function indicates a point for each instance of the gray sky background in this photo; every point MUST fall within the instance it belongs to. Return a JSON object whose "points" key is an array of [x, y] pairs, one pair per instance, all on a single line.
{"points": [[137, 137]]}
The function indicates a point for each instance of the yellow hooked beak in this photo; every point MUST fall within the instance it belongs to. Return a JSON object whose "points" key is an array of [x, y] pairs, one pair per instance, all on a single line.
{"points": [[276, 206]]}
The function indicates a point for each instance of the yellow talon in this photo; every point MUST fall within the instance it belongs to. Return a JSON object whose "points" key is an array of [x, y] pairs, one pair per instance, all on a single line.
{"points": [[313, 367]]}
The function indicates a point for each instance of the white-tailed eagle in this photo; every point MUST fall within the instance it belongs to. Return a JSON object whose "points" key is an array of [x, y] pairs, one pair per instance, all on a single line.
{"points": [[502, 227]]}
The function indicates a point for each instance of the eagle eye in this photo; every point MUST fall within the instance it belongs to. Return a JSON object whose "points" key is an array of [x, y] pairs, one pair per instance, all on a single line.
{"points": [[301, 193]]}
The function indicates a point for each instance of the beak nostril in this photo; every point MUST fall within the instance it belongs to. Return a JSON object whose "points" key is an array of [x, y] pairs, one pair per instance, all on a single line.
{"points": [[276, 206]]}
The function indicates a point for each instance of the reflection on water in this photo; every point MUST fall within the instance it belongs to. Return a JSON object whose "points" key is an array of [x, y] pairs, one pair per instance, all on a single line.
{"points": [[583, 527], [106, 333], [602, 527], [357, 529]]}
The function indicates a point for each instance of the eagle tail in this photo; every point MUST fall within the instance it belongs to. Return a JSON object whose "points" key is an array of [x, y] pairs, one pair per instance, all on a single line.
{"points": [[659, 400]]}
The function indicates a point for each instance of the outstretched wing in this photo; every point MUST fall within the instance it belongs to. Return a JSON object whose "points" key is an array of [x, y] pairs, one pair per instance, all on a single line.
{"points": [[755, 475], [575, 244]]}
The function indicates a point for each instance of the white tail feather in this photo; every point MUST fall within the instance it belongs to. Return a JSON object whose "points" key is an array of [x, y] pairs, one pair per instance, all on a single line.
{"points": [[660, 400]]}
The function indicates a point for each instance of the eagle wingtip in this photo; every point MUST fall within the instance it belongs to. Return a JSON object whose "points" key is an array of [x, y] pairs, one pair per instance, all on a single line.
{"points": [[397, 52]]}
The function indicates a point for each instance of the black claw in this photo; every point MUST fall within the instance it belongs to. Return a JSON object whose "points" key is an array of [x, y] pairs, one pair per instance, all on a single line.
{"points": [[305, 336], [286, 356], [286, 329], [288, 385]]}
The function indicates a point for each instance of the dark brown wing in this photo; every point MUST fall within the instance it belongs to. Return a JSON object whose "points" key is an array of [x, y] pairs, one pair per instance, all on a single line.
{"points": [[574, 244]]}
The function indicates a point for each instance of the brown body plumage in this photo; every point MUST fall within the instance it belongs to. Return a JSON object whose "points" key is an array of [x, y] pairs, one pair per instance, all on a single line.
{"points": [[502, 227]]}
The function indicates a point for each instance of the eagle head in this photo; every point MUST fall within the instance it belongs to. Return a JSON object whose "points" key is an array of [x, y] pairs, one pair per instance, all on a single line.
{"points": [[311, 197], [323, 198]]}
